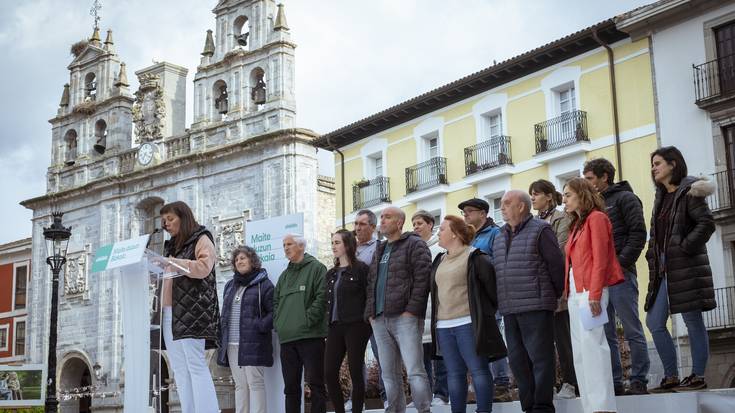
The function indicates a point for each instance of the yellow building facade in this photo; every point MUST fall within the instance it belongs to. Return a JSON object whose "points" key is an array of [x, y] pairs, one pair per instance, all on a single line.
{"points": [[539, 115]]}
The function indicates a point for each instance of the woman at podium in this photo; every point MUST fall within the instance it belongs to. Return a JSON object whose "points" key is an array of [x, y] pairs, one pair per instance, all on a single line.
{"points": [[246, 334], [190, 308]]}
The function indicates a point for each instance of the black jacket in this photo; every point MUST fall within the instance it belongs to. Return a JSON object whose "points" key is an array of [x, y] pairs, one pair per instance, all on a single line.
{"points": [[350, 295], [409, 271], [625, 211], [195, 305], [685, 263], [483, 298]]}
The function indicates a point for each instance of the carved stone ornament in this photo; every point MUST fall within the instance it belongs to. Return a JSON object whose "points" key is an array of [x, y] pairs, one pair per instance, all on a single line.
{"points": [[75, 276], [229, 236], [149, 109]]}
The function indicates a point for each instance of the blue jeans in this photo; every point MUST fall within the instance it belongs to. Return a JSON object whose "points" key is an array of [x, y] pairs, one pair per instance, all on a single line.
{"points": [[624, 302], [656, 320], [499, 368], [381, 386], [457, 346], [400, 338], [437, 373]]}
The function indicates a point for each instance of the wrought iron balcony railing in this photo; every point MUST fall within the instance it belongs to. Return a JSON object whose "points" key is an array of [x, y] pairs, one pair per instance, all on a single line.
{"points": [[426, 174], [368, 193], [723, 316], [713, 79], [488, 154], [724, 196], [561, 131]]}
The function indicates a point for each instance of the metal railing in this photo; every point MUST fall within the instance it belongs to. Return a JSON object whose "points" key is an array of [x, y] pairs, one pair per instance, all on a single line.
{"points": [[426, 174], [561, 131], [723, 316], [488, 154], [368, 193], [714, 78], [724, 196]]}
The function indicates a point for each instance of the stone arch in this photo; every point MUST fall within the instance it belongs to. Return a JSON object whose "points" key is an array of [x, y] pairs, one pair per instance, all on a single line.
{"points": [[70, 147], [258, 91], [100, 135], [75, 371], [241, 32], [90, 86], [221, 97]]}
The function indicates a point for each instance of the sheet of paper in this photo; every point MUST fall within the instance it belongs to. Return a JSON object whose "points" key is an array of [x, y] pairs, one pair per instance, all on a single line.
{"points": [[585, 316]]}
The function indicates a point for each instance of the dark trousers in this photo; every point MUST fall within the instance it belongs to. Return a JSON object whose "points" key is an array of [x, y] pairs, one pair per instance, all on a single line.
{"points": [[352, 339], [530, 338], [563, 341], [304, 357]]}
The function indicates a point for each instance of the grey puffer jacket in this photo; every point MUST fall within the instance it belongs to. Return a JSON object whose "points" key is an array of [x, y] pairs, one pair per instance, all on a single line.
{"points": [[625, 211], [409, 274], [685, 263]]}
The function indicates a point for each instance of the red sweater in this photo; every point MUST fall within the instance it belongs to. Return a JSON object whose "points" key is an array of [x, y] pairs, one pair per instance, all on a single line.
{"points": [[590, 251]]}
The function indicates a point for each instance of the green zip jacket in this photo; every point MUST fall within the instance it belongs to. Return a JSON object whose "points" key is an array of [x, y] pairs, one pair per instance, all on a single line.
{"points": [[299, 301]]}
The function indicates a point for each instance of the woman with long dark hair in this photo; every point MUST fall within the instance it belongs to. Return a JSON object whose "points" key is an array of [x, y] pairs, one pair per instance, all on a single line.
{"points": [[680, 275], [190, 308], [545, 199], [463, 327], [346, 285], [591, 267], [246, 345]]}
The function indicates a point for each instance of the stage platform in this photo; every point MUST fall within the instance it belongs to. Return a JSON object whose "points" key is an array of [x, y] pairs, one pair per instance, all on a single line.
{"points": [[710, 401]]}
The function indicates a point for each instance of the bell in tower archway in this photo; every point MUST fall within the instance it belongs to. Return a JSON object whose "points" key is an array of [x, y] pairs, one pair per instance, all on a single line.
{"points": [[258, 93]]}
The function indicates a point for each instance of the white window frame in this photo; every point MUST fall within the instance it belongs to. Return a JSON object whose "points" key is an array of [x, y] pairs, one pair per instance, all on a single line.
{"points": [[371, 172], [426, 140], [571, 90], [494, 212], [15, 334], [5, 327], [26, 264], [490, 120]]}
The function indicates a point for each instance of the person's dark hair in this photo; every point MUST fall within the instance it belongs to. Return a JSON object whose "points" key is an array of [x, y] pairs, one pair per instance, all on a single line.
{"points": [[672, 156], [350, 243], [589, 200], [424, 215], [372, 219], [248, 252], [188, 224], [542, 186], [599, 167], [464, 231]]}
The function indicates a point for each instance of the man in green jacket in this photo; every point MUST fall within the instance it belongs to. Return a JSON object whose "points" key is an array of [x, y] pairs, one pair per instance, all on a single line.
{"points": [[299, 306]]}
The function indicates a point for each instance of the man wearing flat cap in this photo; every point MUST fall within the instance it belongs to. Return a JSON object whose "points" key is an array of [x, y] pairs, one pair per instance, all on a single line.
{"points": [[475, 212]]}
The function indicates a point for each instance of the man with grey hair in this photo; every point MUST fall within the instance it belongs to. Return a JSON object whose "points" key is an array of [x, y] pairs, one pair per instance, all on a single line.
{"points": [[299, 308], [397, 292], [529, 271]]}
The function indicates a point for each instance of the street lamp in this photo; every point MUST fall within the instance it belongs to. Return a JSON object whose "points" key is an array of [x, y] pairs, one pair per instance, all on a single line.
{"points": [[57, 240]]}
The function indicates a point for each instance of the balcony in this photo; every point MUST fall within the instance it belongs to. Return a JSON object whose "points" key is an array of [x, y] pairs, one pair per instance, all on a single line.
{"points": [[368, 193], [723, 316], [724, 196], [487, 155], [714, 81], [426, 175], [562, 131]]}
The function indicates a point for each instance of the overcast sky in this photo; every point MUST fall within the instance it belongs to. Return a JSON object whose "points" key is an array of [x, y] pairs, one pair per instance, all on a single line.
{"points": [[354, 58]]}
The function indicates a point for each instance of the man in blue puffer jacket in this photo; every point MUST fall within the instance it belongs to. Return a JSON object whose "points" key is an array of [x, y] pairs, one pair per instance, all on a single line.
{"points": [[475, 212]]}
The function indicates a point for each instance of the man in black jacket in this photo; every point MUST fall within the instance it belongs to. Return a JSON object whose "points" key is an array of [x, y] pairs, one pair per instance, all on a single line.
{"points": [[625, 211]]}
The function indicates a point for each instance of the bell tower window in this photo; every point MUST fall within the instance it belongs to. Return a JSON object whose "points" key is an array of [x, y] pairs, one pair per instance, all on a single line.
{"points": [[100, 134], [221, 101], [257, 82], [70, 141], [90, 86], [241, 31]]}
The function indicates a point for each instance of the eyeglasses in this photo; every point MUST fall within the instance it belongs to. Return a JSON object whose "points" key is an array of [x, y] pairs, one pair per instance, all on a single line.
{"points": [[469, 211]]}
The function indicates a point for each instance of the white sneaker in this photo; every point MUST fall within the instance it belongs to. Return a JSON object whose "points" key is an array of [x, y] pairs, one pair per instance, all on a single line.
{"points": [[348, 406], [411, 406], [437, 401], [385, 404], [566, 392]]}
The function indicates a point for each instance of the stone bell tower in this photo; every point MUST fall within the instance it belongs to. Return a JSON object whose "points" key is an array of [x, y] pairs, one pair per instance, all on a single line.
{"points": [[246, 75]]}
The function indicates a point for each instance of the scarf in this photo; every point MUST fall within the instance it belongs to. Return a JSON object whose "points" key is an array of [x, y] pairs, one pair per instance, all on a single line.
{"points": [[242, 280]]}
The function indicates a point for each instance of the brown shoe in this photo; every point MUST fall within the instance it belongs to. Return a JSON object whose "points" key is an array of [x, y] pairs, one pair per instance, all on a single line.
{"points": [[668, 385], [692, 383]]}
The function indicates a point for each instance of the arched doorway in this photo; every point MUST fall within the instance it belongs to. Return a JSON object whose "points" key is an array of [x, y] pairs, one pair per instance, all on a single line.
{"points": [[75, 374]]}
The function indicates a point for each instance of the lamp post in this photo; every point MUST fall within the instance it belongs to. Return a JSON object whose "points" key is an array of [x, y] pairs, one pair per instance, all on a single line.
{"points": [[57, 240]]}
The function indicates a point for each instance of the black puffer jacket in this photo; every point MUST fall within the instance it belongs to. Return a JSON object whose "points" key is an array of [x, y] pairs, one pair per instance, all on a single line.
{"points": [[195, 305], [686, 266], [482, 295], [350, 294], [409, 271], [625, 211]]}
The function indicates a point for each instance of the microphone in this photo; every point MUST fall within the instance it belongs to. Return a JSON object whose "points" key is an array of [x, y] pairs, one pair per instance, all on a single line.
{"points": [[155, 231]]}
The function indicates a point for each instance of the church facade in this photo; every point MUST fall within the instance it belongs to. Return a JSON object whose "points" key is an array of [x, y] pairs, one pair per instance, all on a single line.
{"points": [[119, 155]]}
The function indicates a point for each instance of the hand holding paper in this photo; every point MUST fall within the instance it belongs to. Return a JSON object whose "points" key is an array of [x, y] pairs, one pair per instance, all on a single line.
{"points": [[589, 321]]}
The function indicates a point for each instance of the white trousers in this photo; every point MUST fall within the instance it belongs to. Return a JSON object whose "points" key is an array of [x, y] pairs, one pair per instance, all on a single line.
{"points": [[249, 384], [193, 380], [591, 356]]}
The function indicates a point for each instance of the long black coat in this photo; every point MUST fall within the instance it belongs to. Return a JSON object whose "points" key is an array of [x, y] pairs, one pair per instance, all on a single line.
{"points": [[483, 298], [686, 266]]}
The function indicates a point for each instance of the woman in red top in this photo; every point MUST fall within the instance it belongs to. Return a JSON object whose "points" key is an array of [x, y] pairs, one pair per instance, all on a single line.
{"points": [[591, 266]]}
